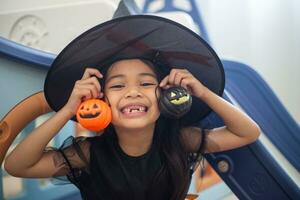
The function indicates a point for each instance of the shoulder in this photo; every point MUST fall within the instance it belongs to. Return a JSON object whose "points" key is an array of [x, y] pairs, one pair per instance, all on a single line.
{"points": [[75, 143], [192, 138]]}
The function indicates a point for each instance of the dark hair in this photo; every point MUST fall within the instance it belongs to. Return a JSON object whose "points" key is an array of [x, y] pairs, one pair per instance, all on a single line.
{"points": [[177, 163], [176, 166]]}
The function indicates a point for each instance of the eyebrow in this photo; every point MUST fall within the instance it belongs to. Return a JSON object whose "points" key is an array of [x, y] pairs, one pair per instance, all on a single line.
{"points": [[123, 76]]}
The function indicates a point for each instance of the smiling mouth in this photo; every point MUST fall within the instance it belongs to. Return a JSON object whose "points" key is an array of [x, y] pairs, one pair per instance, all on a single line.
{"points": [[90, 115], [134, 109]]}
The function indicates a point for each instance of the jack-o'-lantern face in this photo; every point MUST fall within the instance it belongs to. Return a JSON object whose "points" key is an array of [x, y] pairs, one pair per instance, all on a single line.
{"points": [[175, 102], [94, 114], [178, 97], [90, 109]]}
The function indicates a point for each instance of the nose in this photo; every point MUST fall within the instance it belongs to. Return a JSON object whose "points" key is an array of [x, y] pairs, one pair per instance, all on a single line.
{"points": [[133, 93]]}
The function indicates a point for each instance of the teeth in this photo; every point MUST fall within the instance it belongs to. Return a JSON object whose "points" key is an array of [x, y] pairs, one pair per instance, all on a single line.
{"points": [[133, 110]]}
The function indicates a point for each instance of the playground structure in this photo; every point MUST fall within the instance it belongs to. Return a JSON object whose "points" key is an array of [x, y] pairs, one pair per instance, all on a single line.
{"points": [[267, 176]]}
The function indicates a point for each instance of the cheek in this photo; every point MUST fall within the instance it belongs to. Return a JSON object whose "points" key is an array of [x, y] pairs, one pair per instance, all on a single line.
{"points": [[108, 97], [154, 100], [112, 101]]}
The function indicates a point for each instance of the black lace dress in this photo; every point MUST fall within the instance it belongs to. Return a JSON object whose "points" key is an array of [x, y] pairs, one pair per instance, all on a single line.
{"points": [[111, 174]]}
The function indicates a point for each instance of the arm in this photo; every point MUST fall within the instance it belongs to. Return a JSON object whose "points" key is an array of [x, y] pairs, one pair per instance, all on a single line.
{"points": [[28, 159], [29, 154], [239, 128]]}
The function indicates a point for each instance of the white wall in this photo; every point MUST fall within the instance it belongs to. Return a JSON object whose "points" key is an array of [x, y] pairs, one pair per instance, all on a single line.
{"points": [[265, 35], [50, 25]]}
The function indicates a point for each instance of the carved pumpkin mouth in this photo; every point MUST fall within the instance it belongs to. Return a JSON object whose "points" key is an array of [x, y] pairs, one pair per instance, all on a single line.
{"points": [[90, 115], [180, 100]]}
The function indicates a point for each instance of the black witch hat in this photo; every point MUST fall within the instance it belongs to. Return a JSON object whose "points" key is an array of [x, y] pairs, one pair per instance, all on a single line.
{"points": [[165, 43]]}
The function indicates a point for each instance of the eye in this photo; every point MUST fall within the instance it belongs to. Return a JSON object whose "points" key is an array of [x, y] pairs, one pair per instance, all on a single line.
{"points": [[147, 84], [117, 86]]}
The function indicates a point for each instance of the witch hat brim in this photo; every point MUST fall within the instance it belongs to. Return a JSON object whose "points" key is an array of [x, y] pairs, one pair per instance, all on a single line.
{"points": [[164, 42]]}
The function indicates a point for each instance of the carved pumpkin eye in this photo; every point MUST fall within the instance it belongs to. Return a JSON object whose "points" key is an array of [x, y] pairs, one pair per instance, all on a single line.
{"points": [[175, 102], [178, 95], [172, 94], [94, 114]]}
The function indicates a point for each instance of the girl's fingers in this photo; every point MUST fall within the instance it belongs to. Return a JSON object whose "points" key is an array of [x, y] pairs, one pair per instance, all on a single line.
{"points": [[92, 80], [185, 84], [85, 94], [176, 72], [91, 72], [164, 81], [174, 78], [177, 79], [92, 89], [167, 86], [82, 85], [101, 95]]}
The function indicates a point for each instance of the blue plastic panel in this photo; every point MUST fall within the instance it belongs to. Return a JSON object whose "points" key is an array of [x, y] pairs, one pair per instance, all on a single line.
{"points": [[253, 173], [254, 95]]}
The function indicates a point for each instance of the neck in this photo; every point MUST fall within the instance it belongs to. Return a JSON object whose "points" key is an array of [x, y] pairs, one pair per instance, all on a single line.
{"points": [[135, 142]]}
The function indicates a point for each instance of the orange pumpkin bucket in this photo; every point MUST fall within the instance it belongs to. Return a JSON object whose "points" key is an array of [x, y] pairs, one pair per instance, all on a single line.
{"points": [[94, 115]]}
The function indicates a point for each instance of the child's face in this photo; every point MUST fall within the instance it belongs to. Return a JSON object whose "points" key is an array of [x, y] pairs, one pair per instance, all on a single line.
{"points": [[130, 88]]}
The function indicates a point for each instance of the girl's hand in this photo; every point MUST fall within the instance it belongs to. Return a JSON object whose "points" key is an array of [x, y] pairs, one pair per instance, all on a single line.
{"points": [[87, 87], [183, 78]]}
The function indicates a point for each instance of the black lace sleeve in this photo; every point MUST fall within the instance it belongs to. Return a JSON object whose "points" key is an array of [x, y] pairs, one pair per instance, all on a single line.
{"points": [[196, 158], [73, 158], [194, 141]]}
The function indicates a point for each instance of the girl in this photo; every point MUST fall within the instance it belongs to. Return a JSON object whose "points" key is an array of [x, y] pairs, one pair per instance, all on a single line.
{"points": [[142, 154]]}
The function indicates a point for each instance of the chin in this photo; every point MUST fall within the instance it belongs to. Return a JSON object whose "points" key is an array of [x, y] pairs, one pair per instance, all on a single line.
{"points": [[133, 124]]}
